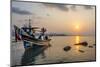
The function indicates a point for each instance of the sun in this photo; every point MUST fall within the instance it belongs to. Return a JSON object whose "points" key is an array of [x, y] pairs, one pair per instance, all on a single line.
{"points": [[77, 27]]}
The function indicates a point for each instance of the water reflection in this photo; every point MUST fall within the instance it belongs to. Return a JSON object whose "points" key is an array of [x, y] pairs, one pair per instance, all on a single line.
{"points": [[30, 54], [43, 55], [77, 40], [55, 53]]}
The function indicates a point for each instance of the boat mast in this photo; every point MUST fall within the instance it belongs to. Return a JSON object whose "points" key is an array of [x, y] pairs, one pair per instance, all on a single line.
{"points": [[30, 30], [29, 23]]}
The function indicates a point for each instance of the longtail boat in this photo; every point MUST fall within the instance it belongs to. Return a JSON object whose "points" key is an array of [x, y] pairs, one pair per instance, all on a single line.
{"points": [[27, 35]]}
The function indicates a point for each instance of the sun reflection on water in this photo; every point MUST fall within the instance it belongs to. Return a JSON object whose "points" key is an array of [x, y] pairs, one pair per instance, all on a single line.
{"points": [[77, 39]]}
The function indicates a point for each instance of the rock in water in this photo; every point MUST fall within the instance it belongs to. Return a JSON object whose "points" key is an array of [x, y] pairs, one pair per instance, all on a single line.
{"points": [[90, 46], [82, 43], [67, 48], [81, 51], [94, 44]]}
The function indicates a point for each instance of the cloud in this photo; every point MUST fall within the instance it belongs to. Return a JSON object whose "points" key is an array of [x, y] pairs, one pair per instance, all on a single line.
{"points": [[88, 7], [20, 11], [57, 6]]}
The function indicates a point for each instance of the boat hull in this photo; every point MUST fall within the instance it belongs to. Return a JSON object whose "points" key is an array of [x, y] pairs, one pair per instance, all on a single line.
{"points": [[29, 41]]}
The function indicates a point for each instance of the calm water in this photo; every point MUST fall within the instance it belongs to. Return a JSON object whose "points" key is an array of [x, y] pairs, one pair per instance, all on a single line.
{"points": [[55, 53]]}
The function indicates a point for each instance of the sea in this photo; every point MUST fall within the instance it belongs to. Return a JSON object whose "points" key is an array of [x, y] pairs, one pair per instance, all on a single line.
{"points": [[56, 53]]}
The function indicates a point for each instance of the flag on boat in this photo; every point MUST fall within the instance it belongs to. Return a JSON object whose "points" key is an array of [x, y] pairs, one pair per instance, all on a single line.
{"points": [[17, 33]]}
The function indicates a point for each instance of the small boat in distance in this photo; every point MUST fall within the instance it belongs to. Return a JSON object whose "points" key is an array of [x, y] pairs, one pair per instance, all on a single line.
{"points": [[28, 34]]}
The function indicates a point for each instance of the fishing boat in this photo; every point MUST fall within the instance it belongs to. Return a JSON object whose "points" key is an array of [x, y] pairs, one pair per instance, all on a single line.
{"points": [[28, 35]]}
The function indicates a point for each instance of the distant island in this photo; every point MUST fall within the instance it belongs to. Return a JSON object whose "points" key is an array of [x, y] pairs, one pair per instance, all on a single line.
{"points": [[56, 34]]}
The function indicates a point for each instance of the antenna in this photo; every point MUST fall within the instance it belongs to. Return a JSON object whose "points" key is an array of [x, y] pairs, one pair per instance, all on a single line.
{"points": [[29, 20], [29, 23]]}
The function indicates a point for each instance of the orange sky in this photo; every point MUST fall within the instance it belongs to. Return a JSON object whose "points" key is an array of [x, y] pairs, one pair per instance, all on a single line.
{"points": [[58, 18]]}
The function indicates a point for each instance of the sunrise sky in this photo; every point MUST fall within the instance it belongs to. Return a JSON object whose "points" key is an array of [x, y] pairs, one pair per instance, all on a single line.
{"points": [[58, 18]]}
